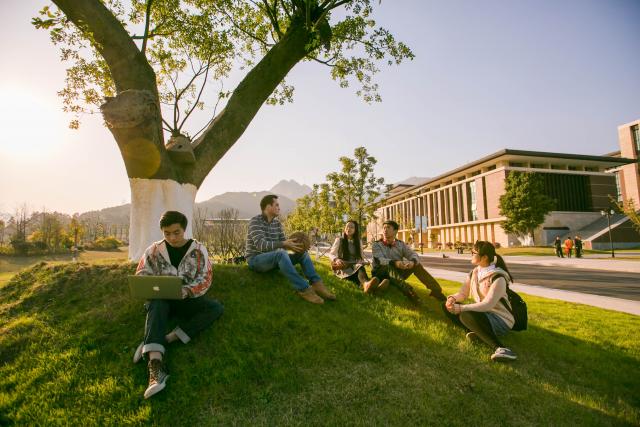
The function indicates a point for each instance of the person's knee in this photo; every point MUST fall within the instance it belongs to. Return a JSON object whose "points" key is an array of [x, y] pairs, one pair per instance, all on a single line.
{"points": [[280, 253], [216, 309], [157, 305]]}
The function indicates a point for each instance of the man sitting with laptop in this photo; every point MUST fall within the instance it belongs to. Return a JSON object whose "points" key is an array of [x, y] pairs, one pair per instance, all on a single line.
{"points": [[188, 260]]}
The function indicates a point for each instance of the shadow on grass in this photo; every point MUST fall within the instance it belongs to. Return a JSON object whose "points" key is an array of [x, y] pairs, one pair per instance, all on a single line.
{"points": [[274, 359]]}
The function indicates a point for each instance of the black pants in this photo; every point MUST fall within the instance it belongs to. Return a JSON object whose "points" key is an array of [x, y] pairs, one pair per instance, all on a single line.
{"points": [[476, 322], [559, 252], [397, 278], [358, 277], [194, 315]]}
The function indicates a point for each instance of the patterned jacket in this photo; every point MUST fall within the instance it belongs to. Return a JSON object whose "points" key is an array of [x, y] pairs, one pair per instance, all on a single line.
{"points": [[195, 267], [383, 254]]}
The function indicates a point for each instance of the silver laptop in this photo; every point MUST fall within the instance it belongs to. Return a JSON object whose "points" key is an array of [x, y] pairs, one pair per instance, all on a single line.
{"points": [[155, 287]]}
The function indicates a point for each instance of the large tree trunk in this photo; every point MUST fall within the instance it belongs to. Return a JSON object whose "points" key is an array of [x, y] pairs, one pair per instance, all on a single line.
{"points": [[150, 198]]}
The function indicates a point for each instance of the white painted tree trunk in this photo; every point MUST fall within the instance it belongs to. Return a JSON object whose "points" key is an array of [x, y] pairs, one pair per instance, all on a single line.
{"points": [[150, 198]]}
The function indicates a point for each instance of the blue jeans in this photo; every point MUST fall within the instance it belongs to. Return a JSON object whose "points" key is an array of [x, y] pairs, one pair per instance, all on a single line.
{"points": [[282, 260]]}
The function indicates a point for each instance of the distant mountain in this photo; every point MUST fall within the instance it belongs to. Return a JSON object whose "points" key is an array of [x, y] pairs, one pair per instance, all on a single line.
{"points": [[291, 189], [113, 215], [247, 203]]}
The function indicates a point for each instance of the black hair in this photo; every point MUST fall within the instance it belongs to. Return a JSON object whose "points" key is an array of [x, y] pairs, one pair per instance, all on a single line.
{"points": [[266, 201], [486, 248], [392, 223], [344, 243], [173, 217]]}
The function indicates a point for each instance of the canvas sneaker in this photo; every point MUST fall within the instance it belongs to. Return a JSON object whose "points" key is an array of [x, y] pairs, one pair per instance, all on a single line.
{"points": [[503, 354], [157, 378]]}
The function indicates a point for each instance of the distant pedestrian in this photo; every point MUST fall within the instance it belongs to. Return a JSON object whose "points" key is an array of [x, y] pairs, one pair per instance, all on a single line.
{"points": [[558, 245], [568, 246], [577, 243]]}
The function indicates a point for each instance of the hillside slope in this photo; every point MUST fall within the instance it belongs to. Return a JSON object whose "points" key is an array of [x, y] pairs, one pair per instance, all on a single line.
{"points": [[67, 333]]}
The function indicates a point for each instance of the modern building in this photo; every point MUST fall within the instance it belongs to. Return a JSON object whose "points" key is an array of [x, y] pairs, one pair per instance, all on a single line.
{"points": [[462, 205]]}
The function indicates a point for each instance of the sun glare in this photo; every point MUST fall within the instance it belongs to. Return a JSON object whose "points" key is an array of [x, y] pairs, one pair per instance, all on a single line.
{"points": [[31, 124]]}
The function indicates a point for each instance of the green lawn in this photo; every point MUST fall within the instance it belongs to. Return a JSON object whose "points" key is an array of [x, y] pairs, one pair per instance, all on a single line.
{"points": [[67, 333]]}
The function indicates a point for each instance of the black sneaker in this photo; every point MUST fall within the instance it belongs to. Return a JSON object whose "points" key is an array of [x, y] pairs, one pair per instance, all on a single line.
{"points": [[503, 354], [157, 378]]}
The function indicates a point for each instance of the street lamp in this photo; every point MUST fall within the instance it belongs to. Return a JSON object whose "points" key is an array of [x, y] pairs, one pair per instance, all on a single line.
{"points": [[608, 214]]}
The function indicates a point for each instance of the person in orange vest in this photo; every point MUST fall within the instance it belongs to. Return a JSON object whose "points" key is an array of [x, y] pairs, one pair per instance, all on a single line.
{"points": [[568, 246]]}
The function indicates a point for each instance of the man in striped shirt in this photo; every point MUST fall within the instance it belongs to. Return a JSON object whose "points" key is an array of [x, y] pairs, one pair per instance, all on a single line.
{"points": [[267, 249]]}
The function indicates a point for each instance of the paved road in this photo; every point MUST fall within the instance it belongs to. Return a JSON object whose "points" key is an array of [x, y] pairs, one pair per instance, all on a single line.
{"points": [[598, 282]]}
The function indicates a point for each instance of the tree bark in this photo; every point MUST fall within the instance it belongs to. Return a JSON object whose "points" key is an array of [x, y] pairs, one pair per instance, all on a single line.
{"points": [[150, 198]]}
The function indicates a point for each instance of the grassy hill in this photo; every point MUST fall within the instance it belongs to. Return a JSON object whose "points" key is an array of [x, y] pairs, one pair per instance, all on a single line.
{"points": [[67, 333]]}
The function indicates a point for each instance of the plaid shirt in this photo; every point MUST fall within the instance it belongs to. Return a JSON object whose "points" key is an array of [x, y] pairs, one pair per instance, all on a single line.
{"points": [[383, 254], [263, 236]]}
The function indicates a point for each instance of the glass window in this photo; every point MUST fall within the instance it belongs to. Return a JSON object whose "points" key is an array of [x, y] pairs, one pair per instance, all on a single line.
{"points": [[618, 189], [474, 211], [635, 131]]}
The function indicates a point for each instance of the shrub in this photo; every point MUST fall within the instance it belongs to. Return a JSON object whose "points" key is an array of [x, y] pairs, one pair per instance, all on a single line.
{"points": [[109, 243]]}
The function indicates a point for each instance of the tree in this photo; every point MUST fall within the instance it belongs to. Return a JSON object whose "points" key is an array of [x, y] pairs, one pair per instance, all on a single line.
{"points": [[524, 203], [356, 188], [76, 229], [182, 45], [628, 208], [2, 229], [351, 193]]}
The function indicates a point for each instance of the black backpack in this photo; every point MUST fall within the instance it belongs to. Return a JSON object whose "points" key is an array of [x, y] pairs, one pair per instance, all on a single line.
{"points": [[518, 307]]}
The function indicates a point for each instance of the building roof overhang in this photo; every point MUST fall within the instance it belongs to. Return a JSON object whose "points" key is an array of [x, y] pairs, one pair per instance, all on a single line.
{"points": [[508, 154]]}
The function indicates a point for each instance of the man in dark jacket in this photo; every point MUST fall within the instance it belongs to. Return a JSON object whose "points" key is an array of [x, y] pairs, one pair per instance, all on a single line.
{"points": [[558, 245]]}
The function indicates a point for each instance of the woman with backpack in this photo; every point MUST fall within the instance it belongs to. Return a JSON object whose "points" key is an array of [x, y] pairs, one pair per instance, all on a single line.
{"points": [[347, 260], [489, 316]]}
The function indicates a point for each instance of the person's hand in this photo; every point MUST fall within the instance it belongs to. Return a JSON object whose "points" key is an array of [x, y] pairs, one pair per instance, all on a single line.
{"points": [[185, 293], [450, 302], [338, 263], [292, 245], [399, 264], [408, 265]]}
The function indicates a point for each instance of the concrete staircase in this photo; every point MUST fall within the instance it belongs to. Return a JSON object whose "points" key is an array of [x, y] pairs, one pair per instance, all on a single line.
{"points": [[597, 228]]}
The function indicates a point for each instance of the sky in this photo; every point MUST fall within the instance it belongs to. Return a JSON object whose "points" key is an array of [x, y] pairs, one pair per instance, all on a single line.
{"points": [[541, 75]]}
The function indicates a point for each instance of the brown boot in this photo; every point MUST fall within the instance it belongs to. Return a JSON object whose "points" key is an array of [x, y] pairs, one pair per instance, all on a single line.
{"points": [[322, 290], [371, 285], [310, 295], [383, 285]]}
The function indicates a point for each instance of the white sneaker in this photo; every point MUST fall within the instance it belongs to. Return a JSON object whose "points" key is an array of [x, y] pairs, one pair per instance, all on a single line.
{"points": [[503, 354]]}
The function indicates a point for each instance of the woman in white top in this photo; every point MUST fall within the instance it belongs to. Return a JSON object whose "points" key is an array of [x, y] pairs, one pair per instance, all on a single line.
{"points": [[347, 260], [489, 315]]}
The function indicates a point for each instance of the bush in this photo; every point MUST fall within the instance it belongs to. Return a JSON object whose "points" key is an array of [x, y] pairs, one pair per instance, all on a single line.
{"points": [[109, 243]]}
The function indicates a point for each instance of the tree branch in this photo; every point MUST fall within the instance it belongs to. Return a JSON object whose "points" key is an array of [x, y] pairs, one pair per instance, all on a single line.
{"points": [[146, 27], [195, 104], [128, 66], [247, 99]]}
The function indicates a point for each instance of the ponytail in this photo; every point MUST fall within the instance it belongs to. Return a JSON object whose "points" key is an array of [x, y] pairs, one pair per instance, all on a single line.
{"points": [[501, 264]]}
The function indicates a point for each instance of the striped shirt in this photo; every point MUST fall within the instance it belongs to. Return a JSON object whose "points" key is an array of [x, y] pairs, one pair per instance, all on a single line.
{"points": [[263, 236]]}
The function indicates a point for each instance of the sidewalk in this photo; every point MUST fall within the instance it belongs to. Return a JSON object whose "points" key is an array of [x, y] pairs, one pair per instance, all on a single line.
{"points": [[615, 304], [594, 262]]}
